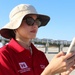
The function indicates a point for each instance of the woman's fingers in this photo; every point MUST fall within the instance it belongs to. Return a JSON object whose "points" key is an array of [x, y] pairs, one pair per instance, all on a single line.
{"points": [[60, 54], [69, 55]]}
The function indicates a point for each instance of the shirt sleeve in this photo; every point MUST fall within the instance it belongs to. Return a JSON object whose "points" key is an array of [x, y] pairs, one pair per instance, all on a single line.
{"points": [[6, 66]]}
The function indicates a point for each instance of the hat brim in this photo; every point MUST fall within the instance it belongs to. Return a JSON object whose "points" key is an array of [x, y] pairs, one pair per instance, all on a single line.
{"points": [[7, 30]]}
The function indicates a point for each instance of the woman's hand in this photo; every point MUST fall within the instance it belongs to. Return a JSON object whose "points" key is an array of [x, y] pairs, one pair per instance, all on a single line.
{"points": [[68, 71], [60, 63]]}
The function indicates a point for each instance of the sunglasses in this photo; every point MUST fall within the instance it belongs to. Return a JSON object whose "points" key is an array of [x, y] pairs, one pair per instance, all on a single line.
{"points": [[30, 21]]}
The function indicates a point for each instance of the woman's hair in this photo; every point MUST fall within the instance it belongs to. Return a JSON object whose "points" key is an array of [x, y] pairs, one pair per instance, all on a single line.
{"points": [[12, 34]]}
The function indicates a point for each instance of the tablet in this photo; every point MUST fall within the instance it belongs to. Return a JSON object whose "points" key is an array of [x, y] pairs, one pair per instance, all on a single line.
{"points": [[72, 46]]}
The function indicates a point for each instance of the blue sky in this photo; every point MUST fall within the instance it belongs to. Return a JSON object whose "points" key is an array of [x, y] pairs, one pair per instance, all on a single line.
{"points": [[62, 13]]}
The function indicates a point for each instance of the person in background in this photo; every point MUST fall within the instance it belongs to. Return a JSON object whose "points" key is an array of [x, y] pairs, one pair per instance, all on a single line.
{"points": [[20, 56]]}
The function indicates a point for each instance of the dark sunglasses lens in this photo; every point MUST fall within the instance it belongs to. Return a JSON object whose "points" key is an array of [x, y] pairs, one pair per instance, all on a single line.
{"points": [[38, 22], [30, 21]]}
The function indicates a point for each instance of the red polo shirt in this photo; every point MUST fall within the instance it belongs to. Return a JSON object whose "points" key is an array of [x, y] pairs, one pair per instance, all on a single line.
{"points": [[16, 60]]}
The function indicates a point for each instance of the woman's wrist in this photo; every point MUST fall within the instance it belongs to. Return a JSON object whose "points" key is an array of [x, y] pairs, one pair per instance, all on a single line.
{"points": [[47, 72]]}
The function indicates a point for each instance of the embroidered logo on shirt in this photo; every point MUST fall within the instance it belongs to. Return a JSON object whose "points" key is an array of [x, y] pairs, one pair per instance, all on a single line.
{"points": [[42, 66], [24, 67]]}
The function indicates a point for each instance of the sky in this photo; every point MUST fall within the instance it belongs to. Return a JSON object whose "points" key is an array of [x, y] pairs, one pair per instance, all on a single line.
{"points": [[62, 13]]}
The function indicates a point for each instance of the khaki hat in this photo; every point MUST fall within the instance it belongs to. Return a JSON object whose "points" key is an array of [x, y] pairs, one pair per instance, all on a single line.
{"points": [[16, 16]]}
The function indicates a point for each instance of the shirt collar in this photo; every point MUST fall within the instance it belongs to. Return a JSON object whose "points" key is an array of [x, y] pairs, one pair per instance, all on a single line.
{"points": [[15, 45], [18, 48]]}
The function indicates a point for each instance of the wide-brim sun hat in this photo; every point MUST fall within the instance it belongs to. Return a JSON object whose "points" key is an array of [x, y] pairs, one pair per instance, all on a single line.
{"points": [[16, 16]]}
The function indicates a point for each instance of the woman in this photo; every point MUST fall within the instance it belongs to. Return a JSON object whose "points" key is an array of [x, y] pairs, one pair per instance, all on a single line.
{"points": [[20, 56]]}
